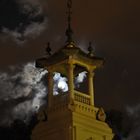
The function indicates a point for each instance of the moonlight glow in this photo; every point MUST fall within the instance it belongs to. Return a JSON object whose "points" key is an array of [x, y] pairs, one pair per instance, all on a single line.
{"points": [[63, 85], [60, 84]]}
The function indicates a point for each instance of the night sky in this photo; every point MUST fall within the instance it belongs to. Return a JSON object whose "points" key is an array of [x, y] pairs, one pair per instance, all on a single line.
{"points": [[27, 25]]}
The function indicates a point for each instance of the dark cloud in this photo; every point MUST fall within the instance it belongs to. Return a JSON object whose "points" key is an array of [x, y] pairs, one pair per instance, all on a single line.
{"points": [[21, 19], [133, 115]]}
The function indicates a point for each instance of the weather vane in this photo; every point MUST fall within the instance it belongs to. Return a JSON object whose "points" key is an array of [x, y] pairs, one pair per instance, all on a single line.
{"points": [[69, 31]]}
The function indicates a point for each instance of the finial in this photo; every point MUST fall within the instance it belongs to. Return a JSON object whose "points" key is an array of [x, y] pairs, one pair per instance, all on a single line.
{"points": [[48, 49], [90, 50], [69, 31]]}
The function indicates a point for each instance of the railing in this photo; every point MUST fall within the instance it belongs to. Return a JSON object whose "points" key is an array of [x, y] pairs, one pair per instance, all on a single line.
{"points": [[64, 98], [81, 97]]}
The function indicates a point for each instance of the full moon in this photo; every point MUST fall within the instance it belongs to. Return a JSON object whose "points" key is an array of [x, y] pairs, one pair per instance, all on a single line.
{"points": [[62, 85]]}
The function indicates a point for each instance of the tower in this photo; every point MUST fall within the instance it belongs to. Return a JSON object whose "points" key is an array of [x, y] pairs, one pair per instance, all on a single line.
{"points": [[71, 112]]}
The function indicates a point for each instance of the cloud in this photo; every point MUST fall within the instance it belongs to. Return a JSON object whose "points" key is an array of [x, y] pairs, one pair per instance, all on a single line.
{"points": [[134, 115], [80, 78], [22, 93], [31, 31], [133, 111], [30, 6], [22, 19]]}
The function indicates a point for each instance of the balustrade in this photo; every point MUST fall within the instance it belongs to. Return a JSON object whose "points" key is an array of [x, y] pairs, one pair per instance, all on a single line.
{"points": [[81, 97]]}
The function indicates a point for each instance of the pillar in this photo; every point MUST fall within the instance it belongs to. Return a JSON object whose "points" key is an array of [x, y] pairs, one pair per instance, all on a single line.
{"points": [[71, 80], [91, 89]]}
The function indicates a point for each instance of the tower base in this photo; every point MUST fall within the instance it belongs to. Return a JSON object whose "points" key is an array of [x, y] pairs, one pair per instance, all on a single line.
{"points": [[72, 122]]}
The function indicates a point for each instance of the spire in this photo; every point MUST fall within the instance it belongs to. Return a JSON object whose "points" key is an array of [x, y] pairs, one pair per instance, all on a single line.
{"points": [[90, 50], [69, 31], [48, 49]]}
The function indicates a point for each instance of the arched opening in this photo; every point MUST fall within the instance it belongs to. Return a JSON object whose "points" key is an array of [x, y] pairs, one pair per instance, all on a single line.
{"points": [[81, 79]]}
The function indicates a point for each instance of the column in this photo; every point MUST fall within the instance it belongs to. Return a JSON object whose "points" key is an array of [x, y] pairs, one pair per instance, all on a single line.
{"points": [[71, 80], [50, 88], [91, 89]]}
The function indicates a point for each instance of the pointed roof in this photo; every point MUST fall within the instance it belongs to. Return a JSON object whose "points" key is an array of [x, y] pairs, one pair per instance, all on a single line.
{"points": [[65, 53]]}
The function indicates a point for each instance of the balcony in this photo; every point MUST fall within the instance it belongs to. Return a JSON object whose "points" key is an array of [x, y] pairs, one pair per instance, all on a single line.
{"points": [[81, 97]]}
